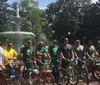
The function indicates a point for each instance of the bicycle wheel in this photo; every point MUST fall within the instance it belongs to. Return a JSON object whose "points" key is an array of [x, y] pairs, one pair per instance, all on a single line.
{"points": [[84, 76], [48, 78], [34, 80], [73, 75], [62, 77], [21, 81], [9, 83], [1, 80], [97, 73]]}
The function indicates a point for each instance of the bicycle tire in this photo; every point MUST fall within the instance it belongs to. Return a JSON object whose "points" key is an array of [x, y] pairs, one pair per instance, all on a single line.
{"points": [[48, 78], [97, 73], [73, 75], [21, 81], [63, 77], [9, 83], [84, 76], [35, 80]]}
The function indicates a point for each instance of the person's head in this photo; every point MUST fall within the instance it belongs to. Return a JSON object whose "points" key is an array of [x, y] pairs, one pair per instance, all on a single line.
{"points": [[89, 42], [9, 46], [41, 44], [55, 42], [77, 42], [29, 43], [66, 40]]}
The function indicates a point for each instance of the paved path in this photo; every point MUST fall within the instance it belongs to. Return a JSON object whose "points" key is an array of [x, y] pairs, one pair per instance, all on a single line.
{"points": [[91, 83]]}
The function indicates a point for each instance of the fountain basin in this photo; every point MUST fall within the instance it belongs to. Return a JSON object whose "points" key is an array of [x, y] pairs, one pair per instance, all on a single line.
{"points": [[17, 37]]}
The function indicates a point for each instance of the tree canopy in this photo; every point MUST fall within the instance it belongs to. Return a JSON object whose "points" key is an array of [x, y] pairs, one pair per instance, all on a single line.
{"points": [[77, 18]]}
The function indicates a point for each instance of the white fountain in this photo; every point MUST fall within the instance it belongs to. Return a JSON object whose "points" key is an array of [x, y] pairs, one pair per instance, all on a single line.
{"points": [[18, 36]]}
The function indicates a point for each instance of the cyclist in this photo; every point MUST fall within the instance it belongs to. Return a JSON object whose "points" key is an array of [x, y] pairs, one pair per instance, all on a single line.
{"points": [[79, 54], [79, 50], [27, 55], [41, 52], [54, 51], [66, 52], [10, 53], [11, 56], [90, 53]]}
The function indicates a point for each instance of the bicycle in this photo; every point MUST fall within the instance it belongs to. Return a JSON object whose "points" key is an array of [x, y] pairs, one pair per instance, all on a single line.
{"points": [[97, 69], [31, 75], [84, 74], [45, 72], [72, 72], [7, 80], [60, 74]]}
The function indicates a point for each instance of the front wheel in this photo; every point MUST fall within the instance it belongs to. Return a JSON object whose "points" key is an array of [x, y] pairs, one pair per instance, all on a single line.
{"points": [[9, 83], [48, 78], [73, 75], [84, 76], [34, 80], [97, 73], [63, 77]]}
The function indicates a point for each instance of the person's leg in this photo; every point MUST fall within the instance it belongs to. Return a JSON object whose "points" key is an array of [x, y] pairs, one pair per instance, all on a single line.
{"points": [[75, 61], [8, 70], [21, 70]]}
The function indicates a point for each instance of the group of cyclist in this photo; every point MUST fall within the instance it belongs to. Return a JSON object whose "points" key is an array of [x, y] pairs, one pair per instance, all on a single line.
{"points": [[54, 52]]}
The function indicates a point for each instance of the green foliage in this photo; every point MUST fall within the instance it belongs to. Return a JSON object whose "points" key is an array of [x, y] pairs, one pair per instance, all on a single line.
{"points": [[65, 17], [34, 15], [3, 14]]}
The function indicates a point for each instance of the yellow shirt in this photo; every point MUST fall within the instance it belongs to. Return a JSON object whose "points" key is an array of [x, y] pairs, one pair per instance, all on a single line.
{"points": [[10, 54]]}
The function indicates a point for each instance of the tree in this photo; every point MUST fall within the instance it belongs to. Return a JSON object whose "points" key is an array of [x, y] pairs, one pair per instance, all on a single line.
{"points": [[65, 16], [3, 14], [34, 15]]}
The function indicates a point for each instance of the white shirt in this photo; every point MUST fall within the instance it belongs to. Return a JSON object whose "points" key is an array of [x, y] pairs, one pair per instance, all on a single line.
{"points": [[80, 51], [1, 56]]}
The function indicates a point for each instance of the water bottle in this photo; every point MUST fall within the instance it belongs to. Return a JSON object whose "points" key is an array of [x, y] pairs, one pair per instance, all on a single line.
{"points": [[13, 74]]}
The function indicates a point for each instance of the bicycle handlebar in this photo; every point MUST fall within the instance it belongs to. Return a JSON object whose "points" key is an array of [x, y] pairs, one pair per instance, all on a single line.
{"points": [[44, 63]]}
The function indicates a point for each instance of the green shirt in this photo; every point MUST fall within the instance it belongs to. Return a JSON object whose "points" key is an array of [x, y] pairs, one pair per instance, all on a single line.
{"points": [[41, 50], [27, 53], [54, 50]]}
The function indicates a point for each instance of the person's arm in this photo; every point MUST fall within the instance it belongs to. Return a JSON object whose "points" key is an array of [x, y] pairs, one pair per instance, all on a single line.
{"points": [[76, 55], [34, 57], [14, 55], [46, 53], [72, 51], [40, 54], [6, 59], [96, 53], [61, 55], [72, 54]]}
